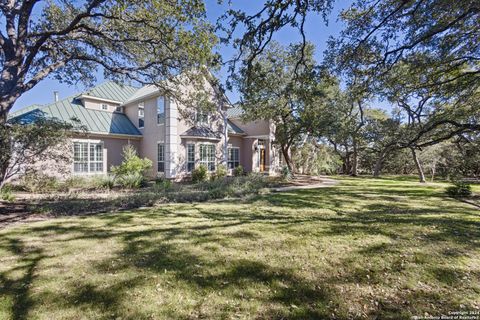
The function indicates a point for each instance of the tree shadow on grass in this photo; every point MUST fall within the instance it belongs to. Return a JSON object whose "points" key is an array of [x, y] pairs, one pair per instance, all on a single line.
{"points": [[17, 289], [156, 248]]}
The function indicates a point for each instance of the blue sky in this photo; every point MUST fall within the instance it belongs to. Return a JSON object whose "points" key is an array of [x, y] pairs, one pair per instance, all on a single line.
{"points": [[316, 31]]}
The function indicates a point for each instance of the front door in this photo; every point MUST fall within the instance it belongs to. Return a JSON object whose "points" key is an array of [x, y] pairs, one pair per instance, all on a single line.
{"points": [[262, 160]]}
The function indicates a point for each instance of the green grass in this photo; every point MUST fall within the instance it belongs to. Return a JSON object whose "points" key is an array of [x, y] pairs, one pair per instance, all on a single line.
{"points": [[365, 248]]}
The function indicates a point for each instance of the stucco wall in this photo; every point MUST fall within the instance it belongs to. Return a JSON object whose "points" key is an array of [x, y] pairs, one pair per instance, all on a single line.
{"points": [[97, 105], [253, 128], [154, 133], [60, 160]]}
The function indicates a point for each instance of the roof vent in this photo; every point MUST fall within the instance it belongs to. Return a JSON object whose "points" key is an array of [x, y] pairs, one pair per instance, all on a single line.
{"points": [[55, 96]]}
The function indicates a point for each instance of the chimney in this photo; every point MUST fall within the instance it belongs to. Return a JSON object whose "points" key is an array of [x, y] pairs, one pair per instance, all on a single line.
{"points": [[55, 96]]}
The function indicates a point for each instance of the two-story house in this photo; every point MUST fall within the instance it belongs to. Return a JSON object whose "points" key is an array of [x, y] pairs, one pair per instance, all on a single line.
{"points": [[115, 115]]}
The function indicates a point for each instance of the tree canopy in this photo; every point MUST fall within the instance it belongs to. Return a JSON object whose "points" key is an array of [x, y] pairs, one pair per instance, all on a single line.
{"points": [[142, 40]]}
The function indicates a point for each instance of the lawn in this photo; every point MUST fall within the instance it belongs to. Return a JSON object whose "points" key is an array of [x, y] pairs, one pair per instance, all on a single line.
{"points": [[365, 248]]}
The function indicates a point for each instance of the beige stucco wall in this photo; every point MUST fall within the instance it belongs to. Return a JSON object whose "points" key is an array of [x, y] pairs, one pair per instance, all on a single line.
{"points": [[154, 133], [97, 104], [60, 160], [253, 128]]}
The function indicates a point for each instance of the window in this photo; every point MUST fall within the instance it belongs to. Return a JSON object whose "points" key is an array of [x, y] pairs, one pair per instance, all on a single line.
{"points": [[160, 110], [96, 157], [207, 156], [190, 157], [118, 109], [87, 157], [202, 118], [161, 158], [233, 157], [141, 115], [104, 106], [80, 157]]}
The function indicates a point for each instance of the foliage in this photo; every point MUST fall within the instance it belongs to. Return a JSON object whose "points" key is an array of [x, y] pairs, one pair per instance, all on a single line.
{"points": [[257, 28], [132, 180], [132, 163], [460, 189], [220, 172], [199, 174], [163, 183], [105, 181], [420, 56], [315, 158], [29, 146], [276, 89], [238, 171], [6, 194], [286, 174], [37, 182], [70, 40]]}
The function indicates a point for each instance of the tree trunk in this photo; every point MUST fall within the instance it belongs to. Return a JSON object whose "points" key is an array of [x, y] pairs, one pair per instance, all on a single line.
{"points": [[434, 168], [354, 171], [288, 160], [5, 107], [378, 165], [347, 161], [421, 175]]}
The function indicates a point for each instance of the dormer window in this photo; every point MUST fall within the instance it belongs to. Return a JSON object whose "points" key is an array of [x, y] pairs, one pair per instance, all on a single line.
{"points": [[202, 118], [104, 106]]}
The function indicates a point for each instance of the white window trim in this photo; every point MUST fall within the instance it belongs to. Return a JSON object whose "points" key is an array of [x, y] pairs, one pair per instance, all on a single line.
{"points": [[194, 156], [164, 156], [214, 153], [104, 105], [88, 173], [238, 148]]}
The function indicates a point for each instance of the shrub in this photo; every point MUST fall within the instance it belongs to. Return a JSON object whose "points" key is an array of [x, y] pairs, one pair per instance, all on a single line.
{"points": [[199, 174], [132, 180], [286, 174], [132, 163], [39, 182], [6, 194], [163, 184], [221, 172], [238, 171], [105, 181], [77, 182], [459, 189]]}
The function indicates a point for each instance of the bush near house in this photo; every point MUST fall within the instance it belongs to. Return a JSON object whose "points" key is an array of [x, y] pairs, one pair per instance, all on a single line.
{"points": [[106, 182], [37, 182], [220, 173], [238, 171], [161, 192], [199, 174], [132, 163], [132, 180]]}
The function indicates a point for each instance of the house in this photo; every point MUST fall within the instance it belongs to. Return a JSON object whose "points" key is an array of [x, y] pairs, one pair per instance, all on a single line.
{"points": [[115, 115]]}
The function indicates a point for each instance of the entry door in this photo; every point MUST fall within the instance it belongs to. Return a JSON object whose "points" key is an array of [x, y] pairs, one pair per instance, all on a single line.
{"points": [[262, 160]]}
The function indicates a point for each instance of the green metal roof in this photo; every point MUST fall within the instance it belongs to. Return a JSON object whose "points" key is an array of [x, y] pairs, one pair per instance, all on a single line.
{"points": [[111, 90], [71, 110], [235, 112], [24, 110]]}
